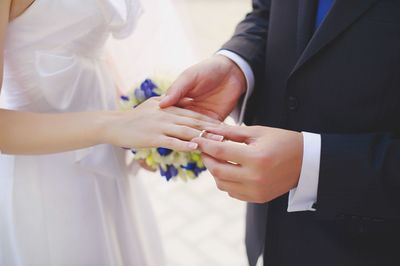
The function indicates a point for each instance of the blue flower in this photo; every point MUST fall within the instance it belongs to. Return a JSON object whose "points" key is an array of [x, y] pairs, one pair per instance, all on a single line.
{"points": [[125, 98], [170, 173], [164, 151], [171, 164], [148, 88], [192, 166], [140, 95]]}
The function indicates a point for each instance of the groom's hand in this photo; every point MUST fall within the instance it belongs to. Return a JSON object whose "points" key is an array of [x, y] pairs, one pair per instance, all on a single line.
{"points": [[212, 87], [258, 165]]}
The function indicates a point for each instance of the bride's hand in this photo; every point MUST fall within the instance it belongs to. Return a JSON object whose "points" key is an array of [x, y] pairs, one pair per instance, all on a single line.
{"points": [[149, 126]]}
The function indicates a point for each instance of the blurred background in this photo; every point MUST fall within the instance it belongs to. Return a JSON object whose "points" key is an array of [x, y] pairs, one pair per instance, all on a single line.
{"points": [[199, 225]]}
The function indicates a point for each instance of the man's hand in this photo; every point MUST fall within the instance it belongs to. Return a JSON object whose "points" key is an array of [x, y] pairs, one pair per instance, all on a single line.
{"points": [[212, 87], [258, 165]]}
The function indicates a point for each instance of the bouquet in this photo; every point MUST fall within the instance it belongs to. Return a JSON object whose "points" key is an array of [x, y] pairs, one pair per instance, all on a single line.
{"points": [[171, 164]]}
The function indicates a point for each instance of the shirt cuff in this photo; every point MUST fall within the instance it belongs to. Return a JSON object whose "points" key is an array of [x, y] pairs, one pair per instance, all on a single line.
{"points": [[238, 113], [304, 196]]}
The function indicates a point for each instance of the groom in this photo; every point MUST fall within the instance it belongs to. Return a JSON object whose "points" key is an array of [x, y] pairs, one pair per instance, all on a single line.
{"points": [[330, 197]]}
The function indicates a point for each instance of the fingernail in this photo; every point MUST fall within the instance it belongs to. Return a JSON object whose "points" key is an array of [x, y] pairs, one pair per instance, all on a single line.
{"points": [[164, 98], [215, 137], [193, 145]]}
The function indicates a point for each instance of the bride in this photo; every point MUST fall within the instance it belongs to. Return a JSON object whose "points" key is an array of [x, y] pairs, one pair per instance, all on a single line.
{"points": [[65, 195]]}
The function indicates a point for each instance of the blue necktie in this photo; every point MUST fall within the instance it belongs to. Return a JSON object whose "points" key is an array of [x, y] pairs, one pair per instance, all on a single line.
{"points": [[323, 8]]}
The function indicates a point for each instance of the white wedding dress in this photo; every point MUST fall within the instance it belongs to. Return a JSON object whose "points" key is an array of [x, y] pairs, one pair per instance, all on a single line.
{"points": [[81, 207]]}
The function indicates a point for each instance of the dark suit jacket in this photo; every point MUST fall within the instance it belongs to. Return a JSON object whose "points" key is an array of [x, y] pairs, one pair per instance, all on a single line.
{"points": [[343, 82]]}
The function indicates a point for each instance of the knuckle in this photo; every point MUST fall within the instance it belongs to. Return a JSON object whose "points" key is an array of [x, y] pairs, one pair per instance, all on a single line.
{"points": [[260, 181], [199, 117], [256, 179], [166, 118], [155, 142], [260, 197], [182, 132], [218, 152], [232, 195], [262, 157], [159, 118], [219, 185], [195, 123], [169, 142], [216, 171]]}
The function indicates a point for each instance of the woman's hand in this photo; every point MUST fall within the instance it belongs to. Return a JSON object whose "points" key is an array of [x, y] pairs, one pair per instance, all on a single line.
{"points": [[150, 126]]}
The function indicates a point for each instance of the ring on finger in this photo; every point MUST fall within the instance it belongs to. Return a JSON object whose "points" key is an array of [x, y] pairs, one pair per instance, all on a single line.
{"points": [[202, 133]]}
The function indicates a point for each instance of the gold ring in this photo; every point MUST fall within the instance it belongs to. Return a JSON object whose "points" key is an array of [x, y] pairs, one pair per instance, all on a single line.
{"points": [[202, 133]]}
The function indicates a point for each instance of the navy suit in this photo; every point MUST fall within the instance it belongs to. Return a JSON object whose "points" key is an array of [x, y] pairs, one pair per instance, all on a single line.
{"points": [[343, 82]]}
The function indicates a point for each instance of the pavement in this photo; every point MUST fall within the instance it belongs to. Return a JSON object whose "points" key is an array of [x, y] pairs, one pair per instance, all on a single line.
{"points": [[199, 225]]}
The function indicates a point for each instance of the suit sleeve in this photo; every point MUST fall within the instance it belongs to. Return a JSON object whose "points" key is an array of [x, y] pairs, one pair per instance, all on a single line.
{"points": [[359, 180], [250, 37], [249, 42]]}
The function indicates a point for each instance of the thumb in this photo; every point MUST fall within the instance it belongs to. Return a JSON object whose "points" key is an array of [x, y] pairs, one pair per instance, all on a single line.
{"points": [[178, 90]]}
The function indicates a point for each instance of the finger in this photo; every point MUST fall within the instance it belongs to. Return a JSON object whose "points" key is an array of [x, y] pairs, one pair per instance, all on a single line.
{"points": [[224, 151], [190, 122], [178, 90], [205, 112], [175, 144], [235, 133], [185, 102], [211, 136], [182, 132], [227, 186], [190, 104], [234, 190], [192, 114], [156, 98], [223, 171], [145, 166], [239, 196]]}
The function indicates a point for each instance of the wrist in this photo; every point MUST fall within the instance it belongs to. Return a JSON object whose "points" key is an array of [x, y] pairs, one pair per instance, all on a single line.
{"points": [[299, 157], [104, 125], [234, 70]]}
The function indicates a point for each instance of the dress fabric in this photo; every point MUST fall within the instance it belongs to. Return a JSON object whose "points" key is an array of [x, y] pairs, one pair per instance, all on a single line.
{"points": [[82, 207]]}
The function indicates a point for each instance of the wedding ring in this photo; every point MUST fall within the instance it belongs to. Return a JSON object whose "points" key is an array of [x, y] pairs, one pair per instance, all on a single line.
{"points": [[202, 133]]}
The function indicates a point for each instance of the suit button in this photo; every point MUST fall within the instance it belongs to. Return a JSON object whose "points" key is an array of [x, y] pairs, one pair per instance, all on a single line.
{"points": [[293, 103]]}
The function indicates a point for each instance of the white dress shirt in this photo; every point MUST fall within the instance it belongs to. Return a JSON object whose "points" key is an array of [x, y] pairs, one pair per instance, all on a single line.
{"points": [[303, 197]]}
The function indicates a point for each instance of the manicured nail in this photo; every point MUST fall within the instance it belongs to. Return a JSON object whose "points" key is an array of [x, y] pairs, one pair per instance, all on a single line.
{"points": [[166, 97], [215, 137], [163, 99], [193, 145]]}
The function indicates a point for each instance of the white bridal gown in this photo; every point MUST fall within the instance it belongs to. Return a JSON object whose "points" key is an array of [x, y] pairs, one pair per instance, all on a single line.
{"points": [[81, 207]]}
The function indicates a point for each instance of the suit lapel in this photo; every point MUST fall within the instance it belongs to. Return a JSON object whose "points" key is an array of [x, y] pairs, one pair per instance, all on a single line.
{"points": [[305, 23], [342, 15]]}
